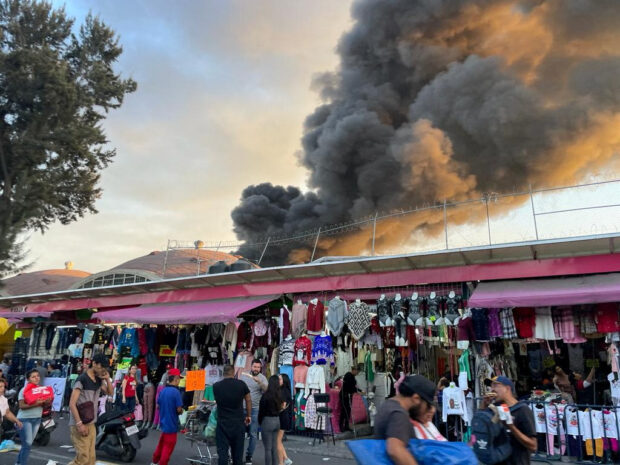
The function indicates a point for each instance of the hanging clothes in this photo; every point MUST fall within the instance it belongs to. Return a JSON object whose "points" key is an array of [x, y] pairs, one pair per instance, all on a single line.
{"points": [[298, 319], [358, 319], [506, 319], [316, 316], [544, 324], [303, 351], [495, 327], [286, 352], [284, 323], [336, 315], [322, 352], [261, 334], [525, 320], [481, 323], [315, 379]]}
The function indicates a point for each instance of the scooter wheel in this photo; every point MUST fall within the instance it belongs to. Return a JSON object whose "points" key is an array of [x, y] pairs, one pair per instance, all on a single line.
{"points": [[129, 453], [42, 439]]}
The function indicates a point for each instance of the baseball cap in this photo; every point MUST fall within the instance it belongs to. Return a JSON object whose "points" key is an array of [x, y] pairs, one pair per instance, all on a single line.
{"points": [[102, 360], [501, 380], [174, 372], [418, 384]]}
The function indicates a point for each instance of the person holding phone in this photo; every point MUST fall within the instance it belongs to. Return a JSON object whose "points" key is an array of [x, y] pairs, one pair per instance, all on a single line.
{"points": [[30, 417], [128, 388], [83, 408]]}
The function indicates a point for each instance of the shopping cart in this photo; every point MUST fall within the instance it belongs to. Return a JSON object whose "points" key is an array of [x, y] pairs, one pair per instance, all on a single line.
{"points": [[195, 425]]}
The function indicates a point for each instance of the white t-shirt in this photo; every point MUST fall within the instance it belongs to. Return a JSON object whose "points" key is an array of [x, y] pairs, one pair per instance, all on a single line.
{"points": [[612, 424], [572, 422], [213, 374], [4, 405]]}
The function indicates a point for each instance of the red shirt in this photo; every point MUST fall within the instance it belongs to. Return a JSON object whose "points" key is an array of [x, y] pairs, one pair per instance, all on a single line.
{"points": [[316, 315], [525, 321], [130, 387], [607, 317]]}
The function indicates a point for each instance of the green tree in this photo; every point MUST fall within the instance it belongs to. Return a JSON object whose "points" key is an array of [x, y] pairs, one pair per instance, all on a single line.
{"points": [[56, 87]]}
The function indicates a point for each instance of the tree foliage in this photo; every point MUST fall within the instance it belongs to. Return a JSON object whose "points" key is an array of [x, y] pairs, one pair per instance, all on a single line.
{"points": [[57, 84]]}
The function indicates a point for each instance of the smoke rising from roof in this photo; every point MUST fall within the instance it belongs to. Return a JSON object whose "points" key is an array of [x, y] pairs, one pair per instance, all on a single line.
{"points": [[444, 99]]}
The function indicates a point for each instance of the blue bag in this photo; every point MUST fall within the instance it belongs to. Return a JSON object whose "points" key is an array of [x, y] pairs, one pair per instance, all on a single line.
{"points": [[425, 451]]}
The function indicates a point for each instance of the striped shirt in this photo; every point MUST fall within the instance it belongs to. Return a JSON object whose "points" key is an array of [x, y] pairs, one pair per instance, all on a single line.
{"points": [[427, 431]]}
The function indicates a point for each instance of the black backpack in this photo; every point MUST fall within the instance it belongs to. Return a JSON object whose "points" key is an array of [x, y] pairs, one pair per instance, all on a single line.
{"points": [[491, 441]]}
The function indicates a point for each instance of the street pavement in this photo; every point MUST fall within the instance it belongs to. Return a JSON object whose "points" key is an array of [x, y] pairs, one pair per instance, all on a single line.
{"points": [[59, 450]]}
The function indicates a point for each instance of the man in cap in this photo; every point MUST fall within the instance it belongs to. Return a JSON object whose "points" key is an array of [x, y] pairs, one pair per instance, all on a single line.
{"points": [[170, 405], [522, 430], [415, 393]]}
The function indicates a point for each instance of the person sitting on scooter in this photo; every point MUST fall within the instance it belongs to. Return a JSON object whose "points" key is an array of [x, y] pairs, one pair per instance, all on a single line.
{"points": [[30, 416], [128, 389], [5, 411]]}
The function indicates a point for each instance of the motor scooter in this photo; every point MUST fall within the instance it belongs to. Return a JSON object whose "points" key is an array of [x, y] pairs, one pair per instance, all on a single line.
{"points": [[45, 428], [118, 435]]}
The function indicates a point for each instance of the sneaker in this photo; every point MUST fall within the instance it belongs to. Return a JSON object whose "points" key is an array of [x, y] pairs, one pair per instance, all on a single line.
{"points": [[288, 461], [248, 460]]}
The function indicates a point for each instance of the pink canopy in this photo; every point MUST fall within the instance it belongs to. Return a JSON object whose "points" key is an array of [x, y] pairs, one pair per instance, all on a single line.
{"points": [[590, 289], [208, 311]]}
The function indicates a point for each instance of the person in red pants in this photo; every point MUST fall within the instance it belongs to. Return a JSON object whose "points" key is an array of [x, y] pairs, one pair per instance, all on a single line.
{"points": [[170, 407]]}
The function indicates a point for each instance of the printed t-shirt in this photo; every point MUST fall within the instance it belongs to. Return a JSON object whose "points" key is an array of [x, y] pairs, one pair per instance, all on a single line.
{"points": [[169, 400], [229, 394]]}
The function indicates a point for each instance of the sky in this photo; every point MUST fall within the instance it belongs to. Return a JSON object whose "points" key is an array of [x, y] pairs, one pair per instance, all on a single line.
{"points": [[223, 89]]}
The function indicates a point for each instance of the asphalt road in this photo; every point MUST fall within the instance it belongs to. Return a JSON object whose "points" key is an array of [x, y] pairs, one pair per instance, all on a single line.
{"points": [[60, 451]]}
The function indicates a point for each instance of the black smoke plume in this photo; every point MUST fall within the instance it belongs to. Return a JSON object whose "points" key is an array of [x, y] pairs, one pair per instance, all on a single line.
{"points": [[448, 99]]}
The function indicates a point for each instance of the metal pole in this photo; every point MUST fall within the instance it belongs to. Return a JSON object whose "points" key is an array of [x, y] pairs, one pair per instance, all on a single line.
{"points": [[488, 219], [264, 250], [533, 212], [316, 241], [197, 261], [374, 232], [163, 272], [445, 221], [218, 246]]}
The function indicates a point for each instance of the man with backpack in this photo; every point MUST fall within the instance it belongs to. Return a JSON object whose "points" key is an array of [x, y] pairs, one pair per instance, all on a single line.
{"points": [[503, 437]]}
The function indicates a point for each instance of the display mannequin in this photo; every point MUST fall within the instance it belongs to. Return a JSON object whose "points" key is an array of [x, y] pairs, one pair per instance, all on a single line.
{"points": [[452, 307], [433, 306], [383, 308], [400, 322], [415, 310]]}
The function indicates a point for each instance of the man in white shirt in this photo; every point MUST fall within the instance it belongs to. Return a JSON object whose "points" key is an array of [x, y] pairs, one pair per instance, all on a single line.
{"points": [[257, 384]]}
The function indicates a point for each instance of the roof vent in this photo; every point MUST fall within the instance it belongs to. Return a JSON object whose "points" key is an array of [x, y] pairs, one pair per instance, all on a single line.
{"points": [[199, 244], [68, 265]]}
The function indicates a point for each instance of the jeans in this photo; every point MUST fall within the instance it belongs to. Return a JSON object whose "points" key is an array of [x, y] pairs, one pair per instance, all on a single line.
{"points": [[36, 338], [49, 336], [229, 436], [130, 404], [253, 433], [165, 448], [26, 435], [269, 428]]}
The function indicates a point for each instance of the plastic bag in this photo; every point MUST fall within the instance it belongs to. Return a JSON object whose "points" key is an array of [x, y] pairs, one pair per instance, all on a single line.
{"points": [[32, 393], [137, 413], [425, 451]]}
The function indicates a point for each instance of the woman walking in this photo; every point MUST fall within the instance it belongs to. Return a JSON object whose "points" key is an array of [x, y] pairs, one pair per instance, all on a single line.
{"points": [[128, 388], [269, 419], [286, 417], [30, 417]]}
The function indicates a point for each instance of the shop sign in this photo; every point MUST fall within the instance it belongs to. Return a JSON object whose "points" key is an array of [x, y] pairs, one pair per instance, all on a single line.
{"points": [[166, 351], [19, 309], [58, 385], [17, 335], [194, 380]]}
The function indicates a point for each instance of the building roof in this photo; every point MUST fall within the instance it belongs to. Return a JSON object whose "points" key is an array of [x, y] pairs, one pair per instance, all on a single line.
{"points": [[176, 263], [571, 256], [40, 282]]}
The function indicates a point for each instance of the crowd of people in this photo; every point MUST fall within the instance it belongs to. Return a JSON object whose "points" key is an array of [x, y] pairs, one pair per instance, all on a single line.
{"points": [[409, 414]]}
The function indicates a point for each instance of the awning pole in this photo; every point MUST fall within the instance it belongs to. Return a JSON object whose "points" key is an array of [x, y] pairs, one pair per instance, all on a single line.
{"points": [[316, 241]]}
